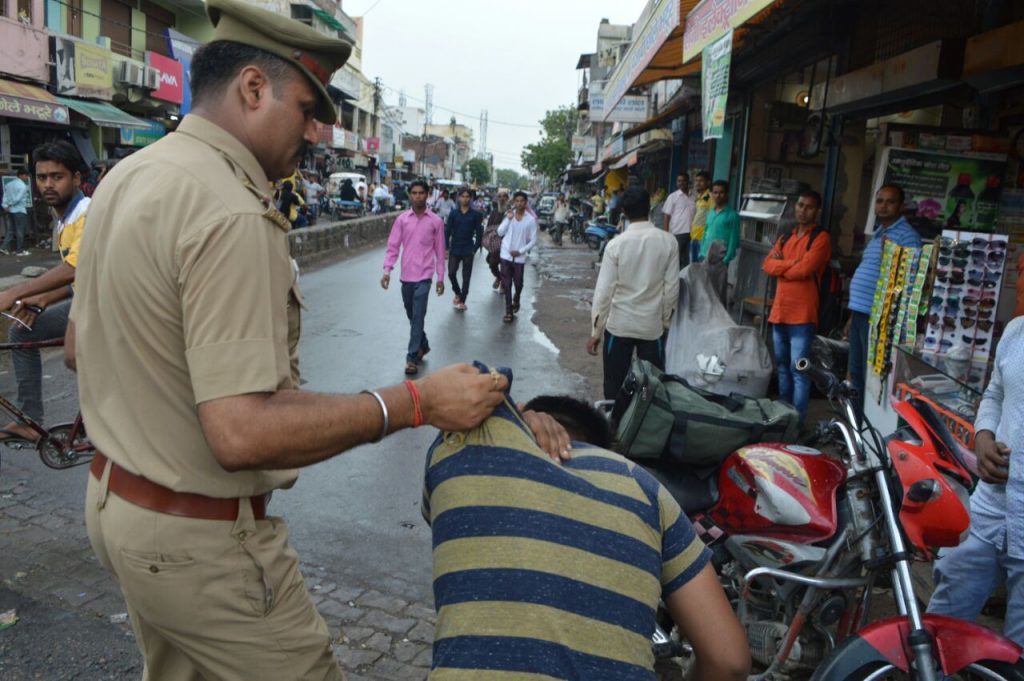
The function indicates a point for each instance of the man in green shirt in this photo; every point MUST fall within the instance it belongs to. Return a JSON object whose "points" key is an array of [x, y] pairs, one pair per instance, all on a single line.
{"points": [[723, 223]]}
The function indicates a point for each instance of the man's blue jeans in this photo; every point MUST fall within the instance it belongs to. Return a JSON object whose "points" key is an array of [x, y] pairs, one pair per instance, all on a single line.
{"points": [[415, 295], [28, 367], [694, 250], [793, 342], [17, 225], [858, 368]]}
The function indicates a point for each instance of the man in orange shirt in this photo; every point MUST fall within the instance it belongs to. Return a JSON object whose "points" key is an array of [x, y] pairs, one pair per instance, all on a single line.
{"points": [[797, 261]]}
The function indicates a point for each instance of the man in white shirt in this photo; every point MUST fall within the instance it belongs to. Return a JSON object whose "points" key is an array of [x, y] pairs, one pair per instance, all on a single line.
{"points": [[679, 209], [312, 189], [381, 198], [518, 232], [636, 294]]}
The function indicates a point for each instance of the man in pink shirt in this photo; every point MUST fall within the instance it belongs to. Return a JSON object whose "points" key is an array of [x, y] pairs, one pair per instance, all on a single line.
{"points": [[419, 235]]}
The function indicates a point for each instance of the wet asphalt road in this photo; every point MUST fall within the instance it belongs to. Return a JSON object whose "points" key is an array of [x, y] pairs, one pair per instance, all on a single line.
{"points": [[363, 508]]}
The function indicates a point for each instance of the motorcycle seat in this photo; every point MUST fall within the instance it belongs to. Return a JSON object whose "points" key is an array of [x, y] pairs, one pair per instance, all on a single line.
{"points": [[695, 489]]}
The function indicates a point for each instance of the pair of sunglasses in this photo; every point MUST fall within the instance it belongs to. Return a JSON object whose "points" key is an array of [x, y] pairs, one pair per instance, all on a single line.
{"points": [[983, 325], [984, 303], [996, 245], [954, 277], [947, 322], [932, 341], [976, 342], [945, 261], [951, 301], [975, 312]]}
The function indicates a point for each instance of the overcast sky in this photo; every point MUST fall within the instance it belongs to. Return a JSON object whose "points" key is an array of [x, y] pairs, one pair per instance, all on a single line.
{"points": [[515, 59]]}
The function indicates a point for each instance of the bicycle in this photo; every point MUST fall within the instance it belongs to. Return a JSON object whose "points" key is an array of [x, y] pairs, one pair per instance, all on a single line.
{"points": [[60, 446]]}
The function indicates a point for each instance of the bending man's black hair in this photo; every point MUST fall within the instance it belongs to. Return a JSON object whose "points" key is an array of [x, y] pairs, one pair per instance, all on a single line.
{"points": [[579, 418]]}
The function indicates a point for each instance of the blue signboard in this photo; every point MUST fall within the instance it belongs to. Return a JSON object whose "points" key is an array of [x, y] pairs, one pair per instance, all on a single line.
{"points": [[182, 48]]}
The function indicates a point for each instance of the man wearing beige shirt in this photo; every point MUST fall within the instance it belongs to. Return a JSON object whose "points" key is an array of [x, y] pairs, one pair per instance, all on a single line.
{"points": [[636, 294]]}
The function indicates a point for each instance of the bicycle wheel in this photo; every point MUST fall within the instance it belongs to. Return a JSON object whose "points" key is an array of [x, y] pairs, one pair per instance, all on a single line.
{"points": [[982, 670], [57, 451]]}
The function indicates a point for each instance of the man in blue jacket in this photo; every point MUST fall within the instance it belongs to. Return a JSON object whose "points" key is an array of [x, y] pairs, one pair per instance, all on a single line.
{"points": [[463, 235]]}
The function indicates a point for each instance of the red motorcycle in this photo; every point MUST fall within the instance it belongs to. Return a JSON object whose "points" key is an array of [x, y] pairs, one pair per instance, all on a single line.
{"points": [[802, 541]]}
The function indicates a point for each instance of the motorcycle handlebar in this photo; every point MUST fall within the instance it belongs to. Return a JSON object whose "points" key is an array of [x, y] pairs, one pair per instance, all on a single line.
{"points": [[824, 380]]}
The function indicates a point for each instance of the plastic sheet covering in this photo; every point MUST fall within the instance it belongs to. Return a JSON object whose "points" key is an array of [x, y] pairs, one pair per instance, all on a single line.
{"points": [[705, 346]]}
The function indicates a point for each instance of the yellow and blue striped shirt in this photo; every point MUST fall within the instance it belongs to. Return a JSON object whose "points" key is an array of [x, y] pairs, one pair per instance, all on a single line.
{"points": [[548, 571]]}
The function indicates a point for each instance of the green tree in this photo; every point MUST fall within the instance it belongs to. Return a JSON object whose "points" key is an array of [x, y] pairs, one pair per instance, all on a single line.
{"points": [[553, 153], [478, 170], [510, 179]]}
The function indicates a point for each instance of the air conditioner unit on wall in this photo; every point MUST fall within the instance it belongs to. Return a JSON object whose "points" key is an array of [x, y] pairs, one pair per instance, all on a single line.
{"points": [[152, 81], [130, 73]]}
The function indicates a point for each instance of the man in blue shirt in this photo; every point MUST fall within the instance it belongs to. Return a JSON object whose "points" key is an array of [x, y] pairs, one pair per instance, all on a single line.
{"points": [[463, 234], [17, 197], [890, 225], [723, 223]]}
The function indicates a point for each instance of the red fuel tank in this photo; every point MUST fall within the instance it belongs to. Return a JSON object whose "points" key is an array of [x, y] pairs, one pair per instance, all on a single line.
{"points": [[777, 490]]}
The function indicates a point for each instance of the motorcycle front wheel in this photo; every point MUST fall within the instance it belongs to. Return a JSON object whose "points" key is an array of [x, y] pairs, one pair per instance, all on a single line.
{"points": [[982, 670]]}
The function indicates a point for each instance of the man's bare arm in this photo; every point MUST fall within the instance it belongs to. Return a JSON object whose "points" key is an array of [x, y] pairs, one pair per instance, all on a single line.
{"points": [[705, 619], [55, 278]]}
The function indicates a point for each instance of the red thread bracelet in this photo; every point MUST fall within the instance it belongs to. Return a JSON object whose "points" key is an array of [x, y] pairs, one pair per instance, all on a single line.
{"points": [[417, 416]]}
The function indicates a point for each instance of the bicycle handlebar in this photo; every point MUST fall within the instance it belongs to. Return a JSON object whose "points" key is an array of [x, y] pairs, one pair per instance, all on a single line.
{"points": [[824, 380]]}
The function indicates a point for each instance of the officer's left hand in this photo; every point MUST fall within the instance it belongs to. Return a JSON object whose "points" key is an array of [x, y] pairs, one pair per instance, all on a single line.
{"points": [[440, 288], [550, 435], [592, 344], [28, 309]]}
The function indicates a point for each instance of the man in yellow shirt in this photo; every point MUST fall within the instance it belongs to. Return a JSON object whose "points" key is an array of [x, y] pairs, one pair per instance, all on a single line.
{"points": [[598, 201], [702, 197], [41, 305]]}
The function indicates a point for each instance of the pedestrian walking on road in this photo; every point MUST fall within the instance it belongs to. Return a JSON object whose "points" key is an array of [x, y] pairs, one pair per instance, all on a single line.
{"points": [[187, 309], [445, 205], [797, 261], [42, 304], [492, 241], [463, 235], [518, 232], [636, 295], [17, 198], [418, 234], [678, 215]]}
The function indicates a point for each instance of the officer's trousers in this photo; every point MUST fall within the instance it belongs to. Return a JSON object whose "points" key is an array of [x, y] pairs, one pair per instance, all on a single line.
{"points": [[210, 599]]}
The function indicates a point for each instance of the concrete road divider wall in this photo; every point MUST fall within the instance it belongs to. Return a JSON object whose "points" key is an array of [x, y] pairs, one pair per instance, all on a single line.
{"points": [[330, 240]]}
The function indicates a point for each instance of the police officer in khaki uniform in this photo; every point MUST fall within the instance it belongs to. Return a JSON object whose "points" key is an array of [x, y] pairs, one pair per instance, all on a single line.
{"points": [[185, 326]]}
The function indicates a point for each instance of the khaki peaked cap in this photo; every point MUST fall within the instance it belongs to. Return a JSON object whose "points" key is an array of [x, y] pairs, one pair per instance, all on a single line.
{"points": [[316, 55]]}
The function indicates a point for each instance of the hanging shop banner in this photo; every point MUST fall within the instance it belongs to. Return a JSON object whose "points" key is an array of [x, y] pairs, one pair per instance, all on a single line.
{"points": [[662, 19], [172, 78], [714, 71], [137, 137], [82, 70], [712, 18], [946, 191], [182, 48]]}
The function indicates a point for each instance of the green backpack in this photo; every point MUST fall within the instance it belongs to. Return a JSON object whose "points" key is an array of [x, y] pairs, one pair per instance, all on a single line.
{"points": [[667, 418]]}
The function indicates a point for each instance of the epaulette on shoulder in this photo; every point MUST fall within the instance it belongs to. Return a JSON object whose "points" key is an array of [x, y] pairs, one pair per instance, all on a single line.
{"points": [[271, 212]]}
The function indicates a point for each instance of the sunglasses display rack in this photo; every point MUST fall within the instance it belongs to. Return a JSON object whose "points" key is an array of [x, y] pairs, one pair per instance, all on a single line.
{"points": [[965, 295]]}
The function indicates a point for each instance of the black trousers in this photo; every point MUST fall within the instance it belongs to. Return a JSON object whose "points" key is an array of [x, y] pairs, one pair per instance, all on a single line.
{"points": [[494, 262], [454, 262], [684, 249], [512, 273], [618, 355]]}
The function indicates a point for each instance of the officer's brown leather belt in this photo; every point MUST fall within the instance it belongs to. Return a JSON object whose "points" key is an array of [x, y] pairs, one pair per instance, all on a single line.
{"points": [[147, 494]]}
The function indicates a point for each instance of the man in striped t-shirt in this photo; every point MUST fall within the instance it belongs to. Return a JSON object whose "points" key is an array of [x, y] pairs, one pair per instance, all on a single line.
{"points": [[548, 571]]}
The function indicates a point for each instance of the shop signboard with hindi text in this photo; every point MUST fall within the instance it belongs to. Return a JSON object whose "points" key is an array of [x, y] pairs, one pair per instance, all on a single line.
{"points": [[714, 70], [27, 102], [585, 145], [663, 19], [712, 18], [630, 109], [138, 137]]}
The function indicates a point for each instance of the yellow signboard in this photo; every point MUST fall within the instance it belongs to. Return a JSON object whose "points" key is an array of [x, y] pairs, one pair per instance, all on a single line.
{"points": [[712, 18]]}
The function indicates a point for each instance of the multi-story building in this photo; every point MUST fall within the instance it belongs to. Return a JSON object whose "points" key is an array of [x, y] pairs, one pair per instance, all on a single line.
{"points": [[112, 75]]}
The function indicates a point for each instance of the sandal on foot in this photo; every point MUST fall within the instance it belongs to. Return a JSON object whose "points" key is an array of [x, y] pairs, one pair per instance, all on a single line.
{"points": [[411, 368], [507, 318]]}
